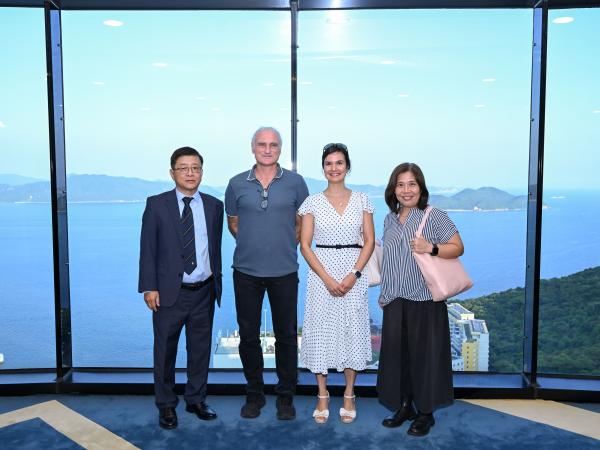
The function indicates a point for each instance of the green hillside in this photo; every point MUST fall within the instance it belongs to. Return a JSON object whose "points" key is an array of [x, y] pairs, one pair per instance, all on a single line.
{"points": [[569, 335]]}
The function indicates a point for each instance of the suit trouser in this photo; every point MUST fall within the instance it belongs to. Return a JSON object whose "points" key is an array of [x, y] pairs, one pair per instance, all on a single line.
{"points": [[283, 298], [195, 310]]}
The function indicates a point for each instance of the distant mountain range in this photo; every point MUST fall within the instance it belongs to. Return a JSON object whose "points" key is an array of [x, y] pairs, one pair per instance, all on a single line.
{"points": [[105, 188]]}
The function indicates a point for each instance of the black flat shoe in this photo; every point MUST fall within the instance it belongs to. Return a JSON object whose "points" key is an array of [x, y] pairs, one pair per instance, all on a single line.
{"points": [[167, 418], [406, 412], [421, 425], [202, 410]]}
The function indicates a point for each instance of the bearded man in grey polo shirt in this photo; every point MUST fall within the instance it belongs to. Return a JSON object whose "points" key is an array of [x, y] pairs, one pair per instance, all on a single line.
{"points": [[261, 206]]}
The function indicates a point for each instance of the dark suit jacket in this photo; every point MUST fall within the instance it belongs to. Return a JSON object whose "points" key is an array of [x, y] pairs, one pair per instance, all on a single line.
{"points": [[161, 248]]}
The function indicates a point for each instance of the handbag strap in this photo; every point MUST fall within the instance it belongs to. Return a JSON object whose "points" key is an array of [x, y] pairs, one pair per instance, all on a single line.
{"points": [[419, 232]]}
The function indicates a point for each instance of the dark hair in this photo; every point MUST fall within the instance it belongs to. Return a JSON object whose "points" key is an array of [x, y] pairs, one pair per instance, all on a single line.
{"points": [[185, 151], [390, 191], [334, 148]]}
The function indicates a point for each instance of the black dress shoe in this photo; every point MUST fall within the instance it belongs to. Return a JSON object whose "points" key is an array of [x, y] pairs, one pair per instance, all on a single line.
{"points": [[406, 412], [167, 418], [202, 410], [421, 425]]}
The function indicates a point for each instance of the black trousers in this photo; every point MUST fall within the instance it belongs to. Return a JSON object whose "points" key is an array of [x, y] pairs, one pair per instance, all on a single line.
{"points": [[415, 358], [283, 298], [195, 310]]}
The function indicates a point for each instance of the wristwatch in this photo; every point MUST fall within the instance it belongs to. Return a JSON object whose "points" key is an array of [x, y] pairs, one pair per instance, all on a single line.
{"points": [[434, 250], [357, 273]]}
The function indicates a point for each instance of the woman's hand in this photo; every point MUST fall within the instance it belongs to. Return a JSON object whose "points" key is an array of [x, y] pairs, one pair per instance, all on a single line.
{"points": [[333, 287], [348, 282], [420, 245]]}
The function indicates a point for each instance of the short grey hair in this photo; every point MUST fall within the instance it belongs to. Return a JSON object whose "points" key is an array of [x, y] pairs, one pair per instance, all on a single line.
{"points": [[271, 129]]}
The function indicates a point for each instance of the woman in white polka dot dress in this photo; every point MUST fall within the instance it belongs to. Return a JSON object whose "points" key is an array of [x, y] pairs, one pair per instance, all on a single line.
{"points": [[336, 329]]}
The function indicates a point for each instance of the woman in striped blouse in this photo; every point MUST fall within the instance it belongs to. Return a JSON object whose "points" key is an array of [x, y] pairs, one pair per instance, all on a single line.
{"points": [[415, 366]]}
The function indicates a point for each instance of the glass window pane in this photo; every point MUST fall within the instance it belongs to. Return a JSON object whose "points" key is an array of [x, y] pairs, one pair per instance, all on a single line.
{"points": [[450, 91], [26, 270], [138, 85], [569, 332]]}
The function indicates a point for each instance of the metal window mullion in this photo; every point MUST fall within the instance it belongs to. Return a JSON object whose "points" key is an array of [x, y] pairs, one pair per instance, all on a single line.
{"points": [[58, 186], [294, 83], [535, 194]]}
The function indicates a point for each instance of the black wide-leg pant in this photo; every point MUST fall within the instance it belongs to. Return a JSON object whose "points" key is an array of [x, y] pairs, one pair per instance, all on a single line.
{"points": [[415, 358]]}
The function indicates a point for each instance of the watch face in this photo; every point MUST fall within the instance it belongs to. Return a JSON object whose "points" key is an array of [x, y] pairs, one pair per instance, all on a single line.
{"points": [[358, 274]]}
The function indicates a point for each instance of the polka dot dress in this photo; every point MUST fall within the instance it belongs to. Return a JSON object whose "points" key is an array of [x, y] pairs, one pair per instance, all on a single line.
{"points": [[336, 331]]}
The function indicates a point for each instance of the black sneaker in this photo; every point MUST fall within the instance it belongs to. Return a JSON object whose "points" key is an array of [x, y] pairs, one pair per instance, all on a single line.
{"points": [[285, 407], [251, 409]]}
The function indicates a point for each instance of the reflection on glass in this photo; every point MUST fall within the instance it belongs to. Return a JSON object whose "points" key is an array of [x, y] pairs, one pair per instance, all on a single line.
{"points": [[138, 85], [449, 90], [26, 270], [569, 334]]}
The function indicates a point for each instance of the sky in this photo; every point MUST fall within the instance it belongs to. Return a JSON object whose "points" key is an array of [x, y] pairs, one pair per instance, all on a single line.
{"points": [[447, 89]]}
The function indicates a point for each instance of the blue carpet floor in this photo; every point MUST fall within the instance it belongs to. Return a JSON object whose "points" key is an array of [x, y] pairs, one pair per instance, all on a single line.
{"points": [[134, 418]]}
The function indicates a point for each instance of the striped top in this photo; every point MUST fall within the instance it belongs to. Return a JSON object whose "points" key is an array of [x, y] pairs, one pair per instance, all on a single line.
{"points": [[400, 274]]}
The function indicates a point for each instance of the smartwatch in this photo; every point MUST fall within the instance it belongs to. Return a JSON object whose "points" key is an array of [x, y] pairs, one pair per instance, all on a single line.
{"points": [[434, 250], [357, 273]]}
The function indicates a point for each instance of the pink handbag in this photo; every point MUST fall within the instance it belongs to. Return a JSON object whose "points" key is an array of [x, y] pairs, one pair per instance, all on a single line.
{"points": [[373, 267], [445, 278]]}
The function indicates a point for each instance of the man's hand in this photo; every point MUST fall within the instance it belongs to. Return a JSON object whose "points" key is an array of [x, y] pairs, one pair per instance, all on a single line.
{"points": [[152, 300]]}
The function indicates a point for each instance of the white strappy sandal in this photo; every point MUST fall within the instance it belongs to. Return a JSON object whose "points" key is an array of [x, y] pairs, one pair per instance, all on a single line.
{"points": [[346, 415], [321, 416]]}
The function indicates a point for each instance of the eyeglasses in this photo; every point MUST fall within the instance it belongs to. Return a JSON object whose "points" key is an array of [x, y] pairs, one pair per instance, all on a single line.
{"points": [[187, 169], [265, 199], [334, 145]]}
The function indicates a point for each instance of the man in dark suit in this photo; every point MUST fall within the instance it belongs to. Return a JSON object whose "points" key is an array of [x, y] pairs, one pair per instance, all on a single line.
{"points": [[180, 276]]}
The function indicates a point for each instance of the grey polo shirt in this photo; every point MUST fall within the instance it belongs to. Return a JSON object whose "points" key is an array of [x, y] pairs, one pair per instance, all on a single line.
{"points": [[266, 238]]}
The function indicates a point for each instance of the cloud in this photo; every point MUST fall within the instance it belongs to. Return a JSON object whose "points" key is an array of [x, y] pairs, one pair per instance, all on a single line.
{"points": [[403, 95], [562, 20], [159, 64], [98, 83], [387, 62], [2, 124], [595, 111], [306, 83], [113, 23], [488, 80], [479, 105], [268, 83]]}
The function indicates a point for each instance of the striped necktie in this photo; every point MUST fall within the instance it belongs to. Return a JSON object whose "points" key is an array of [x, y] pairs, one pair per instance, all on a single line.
{"points": [[187, 232]]}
